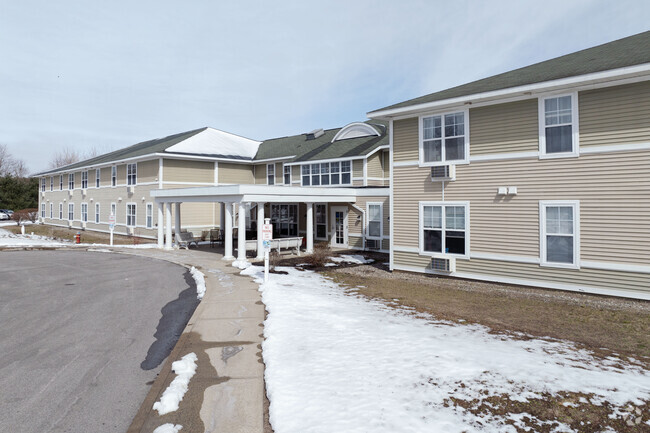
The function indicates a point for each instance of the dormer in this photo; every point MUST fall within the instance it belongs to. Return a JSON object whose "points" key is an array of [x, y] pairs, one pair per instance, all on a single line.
{"points": [[356, 130]]}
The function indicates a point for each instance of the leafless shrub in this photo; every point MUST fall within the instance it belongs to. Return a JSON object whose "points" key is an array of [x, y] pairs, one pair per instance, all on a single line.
{"points": [[320, 256], [24, 215]]}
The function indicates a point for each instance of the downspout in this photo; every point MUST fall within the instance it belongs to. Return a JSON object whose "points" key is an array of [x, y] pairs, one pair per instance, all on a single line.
{"points": [[363, 225]]}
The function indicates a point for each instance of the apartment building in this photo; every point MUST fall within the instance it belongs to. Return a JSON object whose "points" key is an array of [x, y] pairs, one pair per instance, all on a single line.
{"points": [[538, 176]]}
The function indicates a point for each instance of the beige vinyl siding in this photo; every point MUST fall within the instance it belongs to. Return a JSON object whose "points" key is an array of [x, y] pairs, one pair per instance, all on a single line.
{"points": [[121, 175], [182, 170], [596, 278], [385, 164], [296, 172], [236, 173], [105, 177], [504, 128], [405, 140], [356, 227], [279, 175], [414, 260], [260, 174], [357, 168], [411, 185], [615, 115], [147, 171], [374, 166], [355, 242]]}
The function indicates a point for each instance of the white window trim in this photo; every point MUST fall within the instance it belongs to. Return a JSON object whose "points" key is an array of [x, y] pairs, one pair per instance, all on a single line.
{"points": [[340, 173], [43, 209], [381, 220], [146, 217], [70, 206], [84, 179], [97, 213], [61, 211], [135, 214], [61, 182], [326, 222], [98, 177], [133, 174], [576, 233], [114, 205], [113, 183], [71, 180], [51, 183], [284, 167], [51, 210], [575, 125], [421, 229], [269, 174], [81, 216], [421, 161]]}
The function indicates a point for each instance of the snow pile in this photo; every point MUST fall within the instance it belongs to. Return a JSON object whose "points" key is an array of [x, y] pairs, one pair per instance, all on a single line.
{"points": [[168, 428], [200, 282], [8, 239], [185, 368], [355, 259], [241, 264], [340, 362]]}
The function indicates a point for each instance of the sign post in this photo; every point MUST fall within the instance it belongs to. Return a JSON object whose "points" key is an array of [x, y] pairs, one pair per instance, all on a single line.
{"points": [[267, 236], [111, 225]]}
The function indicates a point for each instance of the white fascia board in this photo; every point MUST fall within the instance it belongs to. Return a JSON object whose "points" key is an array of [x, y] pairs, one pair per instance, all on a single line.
{"points": [[373, 192], [280, 158], [63, 170], [202, 158], [612, 76]]}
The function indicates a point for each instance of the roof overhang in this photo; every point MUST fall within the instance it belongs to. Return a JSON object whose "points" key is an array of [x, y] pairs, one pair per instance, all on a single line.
{"points": [[580, 82], [265, 194]]}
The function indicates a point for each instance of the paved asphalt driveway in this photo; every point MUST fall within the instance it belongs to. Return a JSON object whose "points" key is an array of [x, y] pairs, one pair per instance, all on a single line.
{"points": [[77, 346]]}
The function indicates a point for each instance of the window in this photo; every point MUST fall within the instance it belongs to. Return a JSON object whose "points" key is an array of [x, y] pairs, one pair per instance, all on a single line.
{"points": [[131, 173], [70, 211], [84, 212], [149, 215], [113, 176], [321, 221], [327, 173], [60, 211], [61, 183], [97, 177], [43, 207], [96, 213], [51, 210], [130, 214], [559, 233], [375, 213], [444, 228], [270, 174], [443, 139], [558, 126], [114, 210], [84, 180], [287, 174], [43, 184], [284, 218], [52, 183], [71, 181]]}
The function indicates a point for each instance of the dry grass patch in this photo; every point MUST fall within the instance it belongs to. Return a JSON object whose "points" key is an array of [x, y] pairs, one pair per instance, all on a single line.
{"points": [[87, 236]]}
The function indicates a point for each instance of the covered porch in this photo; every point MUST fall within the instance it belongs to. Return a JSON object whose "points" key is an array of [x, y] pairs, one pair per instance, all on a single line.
{"points": [[257, 202]]}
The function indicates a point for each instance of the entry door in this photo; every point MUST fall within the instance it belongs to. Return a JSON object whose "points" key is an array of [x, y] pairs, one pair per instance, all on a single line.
{"points": [[339, 226]]}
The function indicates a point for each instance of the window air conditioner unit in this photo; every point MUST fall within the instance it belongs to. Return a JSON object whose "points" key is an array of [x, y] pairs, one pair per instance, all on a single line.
{"points": [[70, 192], [69, 223], [443, 172], [130, 231], [83, 225], [84, 192], [442, 266], [373, 244], [130, 189]]}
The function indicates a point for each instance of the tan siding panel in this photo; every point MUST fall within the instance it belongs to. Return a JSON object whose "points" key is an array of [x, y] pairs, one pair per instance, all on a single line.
{"points": [[374, 166], [147, 171], [357, 168], [405, 140], [260, 174], [504, 128], [615, 115], [121, 175], [180, 170], [410, 259], [105, 179], [236, 173], [295, 174]]}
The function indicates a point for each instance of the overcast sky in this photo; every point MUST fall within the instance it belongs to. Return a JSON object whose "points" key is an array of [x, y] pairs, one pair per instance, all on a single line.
{"points": [[110, 74]]}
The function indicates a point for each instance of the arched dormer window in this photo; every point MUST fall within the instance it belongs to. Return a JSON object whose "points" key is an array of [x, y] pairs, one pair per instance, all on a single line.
{"points": [[355, 130]]}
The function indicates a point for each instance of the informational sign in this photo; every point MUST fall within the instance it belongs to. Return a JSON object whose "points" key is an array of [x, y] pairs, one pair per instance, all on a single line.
{"points": [[267, 232], [111, 221], [266, 244]]}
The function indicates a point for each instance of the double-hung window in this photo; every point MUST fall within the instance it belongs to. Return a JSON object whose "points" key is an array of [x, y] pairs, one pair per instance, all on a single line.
{"points": [[70, 211], [52, 183], [149, 215], [374, 220], [71, 181], [43, 184], [60, 211], [51, 210], [43, 207], [131, 174], [84, 180], [327, 173], [321, 221], [113, 175], [84, 212], [270, 174], [130, 214], [97, 213], [97, 177], [444, 139], [558, 126], [287, 174], [560, 233], [114, 210], [61, 183], [444, 229]]}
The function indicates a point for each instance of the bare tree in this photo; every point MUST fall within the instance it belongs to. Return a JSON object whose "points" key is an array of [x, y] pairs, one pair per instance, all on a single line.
{"points": [[19, 169], [65, 156], [10, 166]]}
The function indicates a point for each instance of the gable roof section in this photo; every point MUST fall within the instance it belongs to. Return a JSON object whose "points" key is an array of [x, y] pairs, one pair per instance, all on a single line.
{"points": [[631, 51], [299, 148]]}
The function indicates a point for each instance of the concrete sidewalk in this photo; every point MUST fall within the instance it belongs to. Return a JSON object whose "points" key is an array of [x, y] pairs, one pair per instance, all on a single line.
{"points": [[226, 330]]}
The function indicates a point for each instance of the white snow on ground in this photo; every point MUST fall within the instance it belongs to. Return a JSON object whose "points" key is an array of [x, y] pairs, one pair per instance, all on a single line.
{"points": [[4, 223], [340, 362], [185, 368], [199, 278], [241, 264], [354, 259], [8, 239], [168, 428]]}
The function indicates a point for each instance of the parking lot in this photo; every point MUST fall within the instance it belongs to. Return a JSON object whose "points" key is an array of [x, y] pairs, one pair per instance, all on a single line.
{"points": [[83, 335]]}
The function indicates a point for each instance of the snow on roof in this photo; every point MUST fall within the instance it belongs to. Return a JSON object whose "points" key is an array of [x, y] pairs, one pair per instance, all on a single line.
{"points": [[215, 142]]}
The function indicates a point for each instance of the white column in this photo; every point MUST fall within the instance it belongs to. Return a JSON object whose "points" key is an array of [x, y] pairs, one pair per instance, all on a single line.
{"points": [[241, 233], [161, 227], [227, 233], [310, 228], [234, 214], [222, 216], [260, 223], [168, 226], [177, 219]]}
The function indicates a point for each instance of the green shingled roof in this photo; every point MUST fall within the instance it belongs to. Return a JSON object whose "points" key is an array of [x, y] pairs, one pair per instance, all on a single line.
{"points": [[302, 149], [139, 149], [630, 51]]}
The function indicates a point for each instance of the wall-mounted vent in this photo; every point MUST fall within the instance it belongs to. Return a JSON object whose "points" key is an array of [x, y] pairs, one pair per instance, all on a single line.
{"points": [[445, 266], [373, 244], [315, 134], [443, 172]]}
